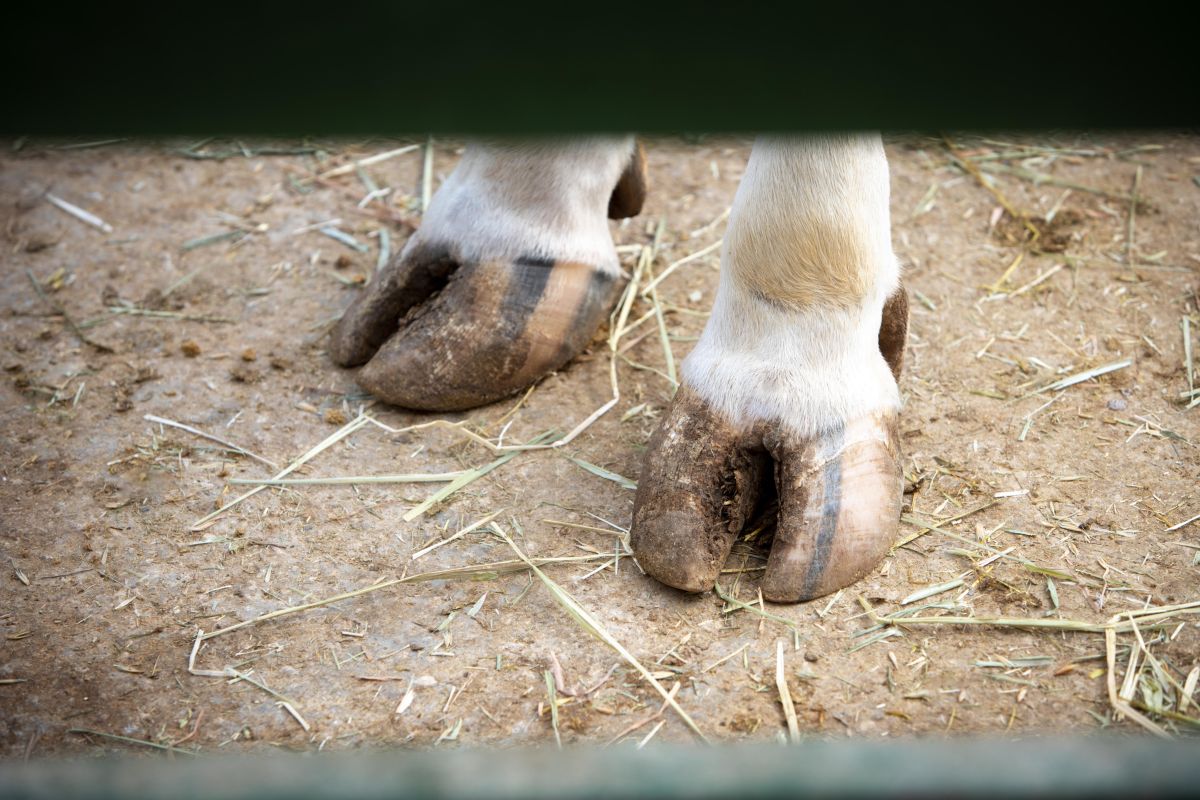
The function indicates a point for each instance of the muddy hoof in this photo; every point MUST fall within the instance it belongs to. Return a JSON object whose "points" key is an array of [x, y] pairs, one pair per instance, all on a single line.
{"points": [[839, 500], [440, 336], [697, 489], [838, 493]]}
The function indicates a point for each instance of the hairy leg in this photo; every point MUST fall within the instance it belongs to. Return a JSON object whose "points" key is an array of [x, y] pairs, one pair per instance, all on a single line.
{"points": [[793, 381], [510, 274]]}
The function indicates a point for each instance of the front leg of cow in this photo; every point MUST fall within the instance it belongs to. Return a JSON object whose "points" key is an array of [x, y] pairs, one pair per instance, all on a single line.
{"points": [[509, 276], [793, 381]]}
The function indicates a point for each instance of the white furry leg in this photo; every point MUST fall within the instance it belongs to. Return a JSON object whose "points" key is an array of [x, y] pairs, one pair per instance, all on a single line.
{"points": [[807, 370], [548, 199], [789, 383], [806, 269]]}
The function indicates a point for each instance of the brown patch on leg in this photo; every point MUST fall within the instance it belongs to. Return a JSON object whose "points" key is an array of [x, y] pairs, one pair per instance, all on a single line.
{"points": [[494, 329], [893, 330], [629, 195], [698, 487]]}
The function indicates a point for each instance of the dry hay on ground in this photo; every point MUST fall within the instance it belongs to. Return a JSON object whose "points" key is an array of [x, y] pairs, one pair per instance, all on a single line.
{"points": [[1050, 434]]}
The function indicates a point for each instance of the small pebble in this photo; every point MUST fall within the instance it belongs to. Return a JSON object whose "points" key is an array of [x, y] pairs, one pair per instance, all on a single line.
{"points": [[1117, 404]]}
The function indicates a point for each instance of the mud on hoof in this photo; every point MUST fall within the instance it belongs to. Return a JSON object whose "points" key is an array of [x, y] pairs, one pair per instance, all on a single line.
{"points": [[510, 275], [839, 492], [839, 500], [441, 336]]}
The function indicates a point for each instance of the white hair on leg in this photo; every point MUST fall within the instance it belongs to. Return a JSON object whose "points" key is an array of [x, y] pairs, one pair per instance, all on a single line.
{"points": [[806, 268], [530, 198]]}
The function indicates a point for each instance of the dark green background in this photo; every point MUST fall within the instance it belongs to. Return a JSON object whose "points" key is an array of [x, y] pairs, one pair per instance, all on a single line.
{"points": [[399, 68]]}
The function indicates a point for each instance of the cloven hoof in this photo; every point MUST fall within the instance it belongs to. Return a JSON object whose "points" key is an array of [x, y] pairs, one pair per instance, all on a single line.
{"points": [[440, 336], [839, 493], [437, 333]]}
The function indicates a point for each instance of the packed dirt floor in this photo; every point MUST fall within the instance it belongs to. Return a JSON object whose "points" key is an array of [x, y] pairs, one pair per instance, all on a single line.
{"points": [[1056, 497]]}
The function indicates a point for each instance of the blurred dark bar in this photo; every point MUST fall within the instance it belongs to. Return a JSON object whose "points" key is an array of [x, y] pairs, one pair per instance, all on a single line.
{"points": [[297, 68], [1097, 766]]}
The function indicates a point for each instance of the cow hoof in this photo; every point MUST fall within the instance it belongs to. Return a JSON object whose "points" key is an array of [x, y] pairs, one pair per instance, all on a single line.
{"points": [[442, 336], [838, 487], [508, 278], [838, 492]]}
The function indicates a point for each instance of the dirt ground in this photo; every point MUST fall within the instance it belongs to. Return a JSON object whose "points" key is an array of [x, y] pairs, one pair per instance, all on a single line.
{"points": [[105, 584]]}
